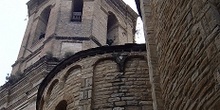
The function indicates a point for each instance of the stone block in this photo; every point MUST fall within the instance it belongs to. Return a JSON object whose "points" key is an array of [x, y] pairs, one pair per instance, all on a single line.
{"points": [[118, 108], [120, 103]]}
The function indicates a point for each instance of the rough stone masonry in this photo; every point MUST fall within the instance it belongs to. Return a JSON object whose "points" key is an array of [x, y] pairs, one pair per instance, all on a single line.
{"points": [[183, 46]]}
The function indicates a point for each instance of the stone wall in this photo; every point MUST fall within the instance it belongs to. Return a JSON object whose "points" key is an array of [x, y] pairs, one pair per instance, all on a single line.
{"points": [[125, 91], [110, 80], [20, 92], [184, 35], [50, 28]]}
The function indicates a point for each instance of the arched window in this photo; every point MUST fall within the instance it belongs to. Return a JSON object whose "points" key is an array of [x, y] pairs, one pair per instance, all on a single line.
{"points": [[72, 71], [112, 29], [42, 24], [77, 9], [62, 105]]}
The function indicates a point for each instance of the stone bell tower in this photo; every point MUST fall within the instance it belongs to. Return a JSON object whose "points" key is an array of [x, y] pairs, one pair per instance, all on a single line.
{"points": [[58, 28]]}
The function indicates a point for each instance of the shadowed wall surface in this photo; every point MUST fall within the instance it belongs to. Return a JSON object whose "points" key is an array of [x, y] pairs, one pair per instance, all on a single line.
{"points": [[183, 38]]}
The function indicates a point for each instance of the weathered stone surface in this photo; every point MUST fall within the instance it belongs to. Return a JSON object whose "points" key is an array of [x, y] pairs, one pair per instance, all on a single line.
{"points": [[52, 34], [53, 20], [123, 93], [105, 89], [182, 40]]}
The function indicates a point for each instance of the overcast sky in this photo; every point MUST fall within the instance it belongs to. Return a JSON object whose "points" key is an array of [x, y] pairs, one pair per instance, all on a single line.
{"points": [[13, 20]]}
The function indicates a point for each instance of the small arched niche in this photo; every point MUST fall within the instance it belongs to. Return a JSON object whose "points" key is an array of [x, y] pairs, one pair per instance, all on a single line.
{"points": [[70, 75], [42, 24], [51, 87], [62, 105], [72, 71], [112, 29]]}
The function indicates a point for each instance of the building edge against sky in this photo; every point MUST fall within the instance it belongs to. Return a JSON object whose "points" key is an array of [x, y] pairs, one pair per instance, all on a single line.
{"points": [[9, 58], [43, 32]]}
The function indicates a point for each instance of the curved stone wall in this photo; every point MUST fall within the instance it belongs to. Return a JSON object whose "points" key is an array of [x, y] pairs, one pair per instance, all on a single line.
{"points": [[184, 35], [125, 90], [107, 78]]}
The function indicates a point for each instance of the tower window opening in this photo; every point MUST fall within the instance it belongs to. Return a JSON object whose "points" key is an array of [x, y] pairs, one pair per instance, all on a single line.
{"points": [[62, 105], [42, 35], [42, 24], [77, 10], [112, 29]]}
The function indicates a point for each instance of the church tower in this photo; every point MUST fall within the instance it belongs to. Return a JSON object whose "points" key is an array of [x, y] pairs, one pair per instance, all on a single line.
{"points": [[79, 55], [60, 28]]}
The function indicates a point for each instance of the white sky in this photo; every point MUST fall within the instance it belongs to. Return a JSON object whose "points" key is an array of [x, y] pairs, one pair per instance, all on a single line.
{"points": [[13, 20]]}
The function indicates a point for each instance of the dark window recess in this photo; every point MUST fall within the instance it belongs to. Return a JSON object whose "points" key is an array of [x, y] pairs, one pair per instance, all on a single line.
{"points": [[61, 106], [42, 36], [42, 24], [77, 10], [109, 41], [111, 29]]}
